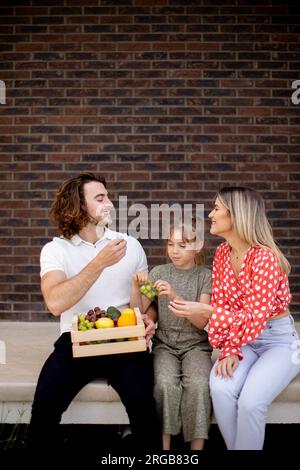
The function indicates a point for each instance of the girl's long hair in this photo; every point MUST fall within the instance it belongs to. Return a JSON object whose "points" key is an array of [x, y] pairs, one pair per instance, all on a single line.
{"points": [[250, 222]]}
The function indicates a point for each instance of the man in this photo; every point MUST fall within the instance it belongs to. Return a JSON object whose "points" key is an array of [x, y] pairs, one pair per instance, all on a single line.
{"points": [[90, 265]]}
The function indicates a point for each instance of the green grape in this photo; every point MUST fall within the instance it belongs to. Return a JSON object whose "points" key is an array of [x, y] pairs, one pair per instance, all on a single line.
{"points": [[149, 291]]}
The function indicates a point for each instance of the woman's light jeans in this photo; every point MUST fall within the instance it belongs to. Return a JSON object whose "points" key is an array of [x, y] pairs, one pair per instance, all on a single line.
{"points": [[241, 403]]}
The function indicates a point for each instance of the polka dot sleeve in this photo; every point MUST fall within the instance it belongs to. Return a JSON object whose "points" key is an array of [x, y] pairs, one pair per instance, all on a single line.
{"points": [[238, 319]]}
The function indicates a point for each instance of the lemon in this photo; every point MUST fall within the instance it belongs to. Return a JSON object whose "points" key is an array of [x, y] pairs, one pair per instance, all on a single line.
{"points": [[104, 322]]}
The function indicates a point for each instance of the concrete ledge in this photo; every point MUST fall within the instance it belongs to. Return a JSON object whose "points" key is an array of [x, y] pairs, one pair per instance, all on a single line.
{"points": [[114, 413], [27, 347], [88, 412]]}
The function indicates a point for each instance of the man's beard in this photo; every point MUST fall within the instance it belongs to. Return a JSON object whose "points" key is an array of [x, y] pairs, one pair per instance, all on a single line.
{"points": [[101, 221]]}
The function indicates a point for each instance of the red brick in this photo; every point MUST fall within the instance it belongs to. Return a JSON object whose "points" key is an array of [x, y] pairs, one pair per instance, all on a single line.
{"points": [[167, 101]]}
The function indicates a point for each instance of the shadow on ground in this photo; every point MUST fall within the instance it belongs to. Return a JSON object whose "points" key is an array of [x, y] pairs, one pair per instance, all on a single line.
{"points": [[104, 438]]}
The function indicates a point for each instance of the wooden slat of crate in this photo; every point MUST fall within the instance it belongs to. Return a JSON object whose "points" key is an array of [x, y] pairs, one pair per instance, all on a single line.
{"points": [[107, 333], [109, 348], [136, 331]]}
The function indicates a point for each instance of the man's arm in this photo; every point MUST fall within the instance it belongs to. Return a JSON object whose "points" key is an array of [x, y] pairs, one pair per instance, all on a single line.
{"points": [[150, 319], [60, 293], [151, 312]]}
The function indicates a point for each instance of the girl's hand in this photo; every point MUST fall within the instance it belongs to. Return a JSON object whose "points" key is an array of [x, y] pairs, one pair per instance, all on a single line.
{"points": [[187, 309], [226, 367], [140, 278], [164, 288]]}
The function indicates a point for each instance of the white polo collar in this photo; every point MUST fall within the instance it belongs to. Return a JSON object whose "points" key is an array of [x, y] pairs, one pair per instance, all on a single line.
{"points": [[108, 235]]}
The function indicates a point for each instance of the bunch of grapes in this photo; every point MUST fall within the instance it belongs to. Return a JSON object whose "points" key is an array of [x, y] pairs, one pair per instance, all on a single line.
{"points": [[149, 291], [86, 322], [94, 314]]}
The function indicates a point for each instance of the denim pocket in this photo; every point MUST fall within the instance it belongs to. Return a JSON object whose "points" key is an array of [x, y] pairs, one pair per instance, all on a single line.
{"points": [[283, 326]]}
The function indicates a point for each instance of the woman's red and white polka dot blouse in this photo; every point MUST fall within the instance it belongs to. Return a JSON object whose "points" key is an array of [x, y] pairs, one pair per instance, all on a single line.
{"points": [[242, 306]]}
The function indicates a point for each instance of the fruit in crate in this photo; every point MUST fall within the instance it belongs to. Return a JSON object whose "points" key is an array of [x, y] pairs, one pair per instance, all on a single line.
{"points": [[87, 321], [149, 291], [127, 318], [100, 313], [93, 314], [114, 314], [104, 322], [84, 323], [112, 317]]}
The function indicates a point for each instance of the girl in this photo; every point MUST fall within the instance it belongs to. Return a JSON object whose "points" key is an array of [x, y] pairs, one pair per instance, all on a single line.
{"points": [[182, 354], [250, 320]]}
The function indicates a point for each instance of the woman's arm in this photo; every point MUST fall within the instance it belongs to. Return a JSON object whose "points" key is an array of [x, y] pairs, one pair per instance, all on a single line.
{"points": [[229, 328], [198, 313]]}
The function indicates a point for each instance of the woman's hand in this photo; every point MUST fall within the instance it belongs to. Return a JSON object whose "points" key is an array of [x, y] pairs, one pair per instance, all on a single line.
{"points": [[189, 310], [164, 288], [226, 367]]}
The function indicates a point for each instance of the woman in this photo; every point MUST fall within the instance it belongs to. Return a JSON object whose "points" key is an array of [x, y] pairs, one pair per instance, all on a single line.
{"points": [[249, 319]]}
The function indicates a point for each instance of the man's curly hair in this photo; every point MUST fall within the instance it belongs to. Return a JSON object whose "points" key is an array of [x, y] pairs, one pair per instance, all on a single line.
{"points": [[68, 210]]}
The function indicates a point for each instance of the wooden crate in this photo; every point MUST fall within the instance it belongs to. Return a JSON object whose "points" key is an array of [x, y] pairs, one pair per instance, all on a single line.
{"points": [[123, 332]]}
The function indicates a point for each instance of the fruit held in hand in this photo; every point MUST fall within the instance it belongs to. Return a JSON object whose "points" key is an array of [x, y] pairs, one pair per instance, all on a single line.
{"points": [[104, 323], [149, 291]]}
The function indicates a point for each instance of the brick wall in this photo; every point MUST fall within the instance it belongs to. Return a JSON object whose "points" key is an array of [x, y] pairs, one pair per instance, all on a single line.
{"points": [[168, 99]]}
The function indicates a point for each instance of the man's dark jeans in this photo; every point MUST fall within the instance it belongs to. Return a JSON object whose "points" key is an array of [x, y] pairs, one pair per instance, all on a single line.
{"points": [[63, 376]]}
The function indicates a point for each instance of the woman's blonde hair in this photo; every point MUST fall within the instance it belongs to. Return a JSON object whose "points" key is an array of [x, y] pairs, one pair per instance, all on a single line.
{"points": [[250, 222], [189, 233]]}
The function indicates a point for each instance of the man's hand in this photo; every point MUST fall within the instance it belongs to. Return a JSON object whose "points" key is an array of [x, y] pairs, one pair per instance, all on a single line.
{"points": [[150, 328], [112, 253], [226, 367], [164, 288]]}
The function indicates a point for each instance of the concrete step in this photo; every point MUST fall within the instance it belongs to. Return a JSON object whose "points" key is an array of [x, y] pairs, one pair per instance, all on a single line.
{"points": [[28, 344]]}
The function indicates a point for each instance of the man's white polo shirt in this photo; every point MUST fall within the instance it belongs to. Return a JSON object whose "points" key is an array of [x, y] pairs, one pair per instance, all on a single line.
{"points": [[113, 286]]}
